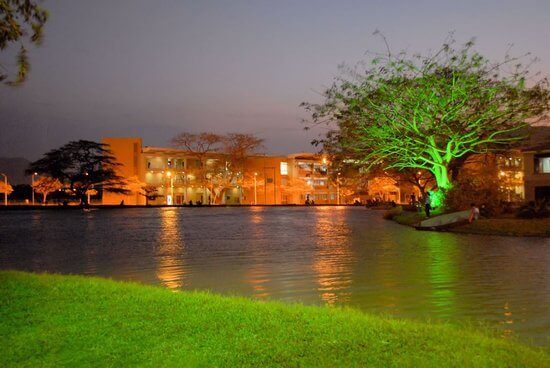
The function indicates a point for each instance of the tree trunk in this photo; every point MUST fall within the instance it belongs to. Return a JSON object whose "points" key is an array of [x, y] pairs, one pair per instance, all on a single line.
{"points": [[441, 174], [45, 195]]}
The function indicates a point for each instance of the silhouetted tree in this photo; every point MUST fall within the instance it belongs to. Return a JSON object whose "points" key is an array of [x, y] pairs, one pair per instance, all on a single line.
{"points": [[20, 21], [82, 165]]}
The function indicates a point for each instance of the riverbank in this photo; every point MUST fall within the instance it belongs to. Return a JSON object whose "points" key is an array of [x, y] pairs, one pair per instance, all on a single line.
{"points": [[51, 320], [495, 226], [54, 207]]}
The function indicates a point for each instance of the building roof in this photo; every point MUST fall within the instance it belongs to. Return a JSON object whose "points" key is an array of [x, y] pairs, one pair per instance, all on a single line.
{"points": [[538, 140]]}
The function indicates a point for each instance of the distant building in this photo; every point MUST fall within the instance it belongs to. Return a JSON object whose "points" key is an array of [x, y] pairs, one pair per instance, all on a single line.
{"points": [[536, 165], [175, 176], [178, 177]]}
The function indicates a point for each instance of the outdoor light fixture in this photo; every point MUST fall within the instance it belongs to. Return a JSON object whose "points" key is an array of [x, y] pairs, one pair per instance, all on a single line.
{"points": [[32, 185]]}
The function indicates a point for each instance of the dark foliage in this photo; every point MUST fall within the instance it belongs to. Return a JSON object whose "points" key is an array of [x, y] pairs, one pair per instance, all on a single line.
{"points": [[82, 165], [20, 21]]}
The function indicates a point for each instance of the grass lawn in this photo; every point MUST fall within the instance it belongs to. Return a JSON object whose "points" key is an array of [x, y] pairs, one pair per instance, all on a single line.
{"points": [[507, 226], [413, 218], [51, 320], [497, 226]]}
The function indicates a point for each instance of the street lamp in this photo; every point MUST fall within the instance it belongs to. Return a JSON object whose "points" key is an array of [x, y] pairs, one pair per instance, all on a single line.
{"points": [[5, 188], [255, 193], [171, 198], [33, 175]]}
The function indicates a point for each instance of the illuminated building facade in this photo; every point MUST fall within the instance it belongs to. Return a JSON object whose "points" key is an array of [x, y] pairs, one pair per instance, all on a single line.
{"points": [[178, 177]]}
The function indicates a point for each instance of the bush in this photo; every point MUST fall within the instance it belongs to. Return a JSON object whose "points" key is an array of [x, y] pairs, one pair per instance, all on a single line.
{"points": [[533, 210], [391, 213], [472, 190]]}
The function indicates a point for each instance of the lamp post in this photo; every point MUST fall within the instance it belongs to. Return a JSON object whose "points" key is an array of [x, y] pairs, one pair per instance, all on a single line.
{"points": [[169, 174], [5, 188], [32, 180], [255, 193]]}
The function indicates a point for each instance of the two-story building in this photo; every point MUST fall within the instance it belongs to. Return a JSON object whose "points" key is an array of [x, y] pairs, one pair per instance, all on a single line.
{"points": [[178, 177]]}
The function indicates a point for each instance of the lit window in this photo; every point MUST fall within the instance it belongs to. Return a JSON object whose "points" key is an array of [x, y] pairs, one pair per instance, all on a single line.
{"points": [[542, 164], [284, 168]]}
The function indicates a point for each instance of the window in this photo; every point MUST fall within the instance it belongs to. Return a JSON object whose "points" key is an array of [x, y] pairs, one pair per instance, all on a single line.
{"points": [[542, 164], [284, 168]]}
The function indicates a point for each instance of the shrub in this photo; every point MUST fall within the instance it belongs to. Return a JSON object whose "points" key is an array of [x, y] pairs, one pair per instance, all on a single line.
{"points": [[473, 190], [533, 210]]}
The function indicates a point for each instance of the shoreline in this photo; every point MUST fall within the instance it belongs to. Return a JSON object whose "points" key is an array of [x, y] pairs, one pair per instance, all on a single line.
{"points": [[21, 207], [511, 227]]}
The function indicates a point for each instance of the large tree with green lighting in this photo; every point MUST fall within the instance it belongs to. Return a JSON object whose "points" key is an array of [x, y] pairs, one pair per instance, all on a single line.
{"points": [[429, 112]]}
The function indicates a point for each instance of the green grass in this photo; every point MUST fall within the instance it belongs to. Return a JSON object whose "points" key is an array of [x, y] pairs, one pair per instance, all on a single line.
{"points": [[53, 321], [508, 226], [414, 218]]}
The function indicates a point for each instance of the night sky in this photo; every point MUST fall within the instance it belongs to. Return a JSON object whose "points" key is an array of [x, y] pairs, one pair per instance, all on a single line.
{"points": [[154, 68]]}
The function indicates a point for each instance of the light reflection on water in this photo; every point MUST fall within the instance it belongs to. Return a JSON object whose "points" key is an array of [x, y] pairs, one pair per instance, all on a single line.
{"points": [[315, 255]]}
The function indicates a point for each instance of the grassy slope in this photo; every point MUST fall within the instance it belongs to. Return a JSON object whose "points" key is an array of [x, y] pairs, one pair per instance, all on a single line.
{"points": [[49, 320], [514, 227], [502, 226]]}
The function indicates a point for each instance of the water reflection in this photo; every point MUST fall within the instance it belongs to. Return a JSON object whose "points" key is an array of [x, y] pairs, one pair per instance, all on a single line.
{"points": [[333, 257], [323, 255], [169, 250], [443, 257]]}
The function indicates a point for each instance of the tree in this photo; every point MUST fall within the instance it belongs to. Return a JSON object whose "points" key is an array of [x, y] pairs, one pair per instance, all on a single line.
{"points": [[46, 185], [381, 186], [134, 185], [428, 112], [5, 189], [237, 148], [201, 146], [227, 168], [21, 21], [421, 179], [296, 186], [80, 166]]}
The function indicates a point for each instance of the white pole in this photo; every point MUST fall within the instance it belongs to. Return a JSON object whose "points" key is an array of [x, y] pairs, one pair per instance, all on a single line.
{"points": [[33, 188]]}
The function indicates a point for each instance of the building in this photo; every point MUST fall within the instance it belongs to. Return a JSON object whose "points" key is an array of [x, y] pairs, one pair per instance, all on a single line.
{"points": [[525, 172], [176, 177], [168, 176]]}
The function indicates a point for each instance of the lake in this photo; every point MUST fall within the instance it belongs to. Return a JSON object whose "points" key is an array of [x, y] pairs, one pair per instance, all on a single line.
{"points": [[343, 256]]}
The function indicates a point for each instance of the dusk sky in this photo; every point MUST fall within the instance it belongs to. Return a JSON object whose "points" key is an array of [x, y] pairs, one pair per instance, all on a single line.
{"points": [[155, 68]]}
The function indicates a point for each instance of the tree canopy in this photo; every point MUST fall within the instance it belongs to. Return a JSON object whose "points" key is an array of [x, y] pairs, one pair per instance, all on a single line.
{"points": [[21, 22], [46, 185], [428, 112], [81, 166], [221, 157]]}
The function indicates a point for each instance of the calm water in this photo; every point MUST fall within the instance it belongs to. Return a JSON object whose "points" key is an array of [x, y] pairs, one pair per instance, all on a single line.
{"points": [[322, 255]]}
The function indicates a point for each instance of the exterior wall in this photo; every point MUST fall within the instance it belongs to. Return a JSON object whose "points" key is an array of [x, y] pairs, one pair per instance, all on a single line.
{"points": [[534, 181], [128, 153], [267, 171]]}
